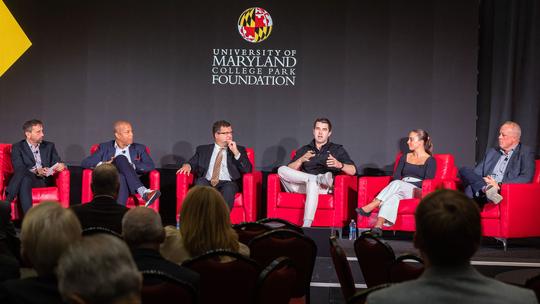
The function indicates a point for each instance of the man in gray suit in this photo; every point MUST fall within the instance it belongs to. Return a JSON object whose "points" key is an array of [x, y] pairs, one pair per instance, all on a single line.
{"points": [[448, 233], [509, 163]]}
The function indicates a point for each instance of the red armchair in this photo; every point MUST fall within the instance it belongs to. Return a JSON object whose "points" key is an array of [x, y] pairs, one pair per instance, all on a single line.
{"points": [[59, 193], [370, 186], [133, 200], [245, 202], [516, 216], [334, 210]]}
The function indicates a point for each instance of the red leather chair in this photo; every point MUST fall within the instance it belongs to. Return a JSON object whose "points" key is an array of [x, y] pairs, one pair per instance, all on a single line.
{"points": [[370, 186], [516, 216], [334, 210], [59, 193], [133, 200], [245, 202]]}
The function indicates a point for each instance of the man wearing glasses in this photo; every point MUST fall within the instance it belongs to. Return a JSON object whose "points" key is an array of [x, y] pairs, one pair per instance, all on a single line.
{"points": [[220, 164]]}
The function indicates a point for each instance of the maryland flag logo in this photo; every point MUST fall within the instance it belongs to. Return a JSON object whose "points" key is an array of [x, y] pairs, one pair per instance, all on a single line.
{"points": [[255, 25], [13, 41]]}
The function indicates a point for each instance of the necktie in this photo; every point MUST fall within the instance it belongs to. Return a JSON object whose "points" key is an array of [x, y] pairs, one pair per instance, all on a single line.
{"points": [[217, 168]]}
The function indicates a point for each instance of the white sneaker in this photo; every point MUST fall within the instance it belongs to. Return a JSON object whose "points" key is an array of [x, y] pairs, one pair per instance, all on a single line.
{"points": [[493, 195], [326, 179]]}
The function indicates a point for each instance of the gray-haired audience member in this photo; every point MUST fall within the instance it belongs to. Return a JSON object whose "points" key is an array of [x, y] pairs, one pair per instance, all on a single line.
{"points": [[143, 232], [47, 231], [99, 269], [448, 233], [103, 210]]}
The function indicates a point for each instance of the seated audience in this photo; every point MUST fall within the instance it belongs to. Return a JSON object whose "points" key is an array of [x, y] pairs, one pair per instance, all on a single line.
{"points": [[143, 232], [99, 269], [172, 247], [47, 231], [205, 225], [448, 233], [412, 169], [9, 242], [103, 210]]}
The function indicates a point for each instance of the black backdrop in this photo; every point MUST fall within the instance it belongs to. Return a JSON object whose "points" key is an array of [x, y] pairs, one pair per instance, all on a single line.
{"points": [[376, 68]]}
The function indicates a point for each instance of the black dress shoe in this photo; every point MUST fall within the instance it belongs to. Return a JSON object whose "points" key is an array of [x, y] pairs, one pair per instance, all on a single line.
{"points": [[375, 231], [362, 212]]}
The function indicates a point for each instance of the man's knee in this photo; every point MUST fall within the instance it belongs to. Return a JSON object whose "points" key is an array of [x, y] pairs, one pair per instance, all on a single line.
{"points": [[282, 170]]}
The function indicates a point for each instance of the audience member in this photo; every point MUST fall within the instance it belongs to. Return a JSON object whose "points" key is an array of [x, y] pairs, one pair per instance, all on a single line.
{"points": [[448, 233], [103, 210], [47, 231], [143, 232], [205, 225], [99, 269]]}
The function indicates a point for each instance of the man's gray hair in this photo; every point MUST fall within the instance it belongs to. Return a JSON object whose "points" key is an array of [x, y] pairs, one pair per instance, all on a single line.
{"points": [[142, 225], [98, 269], [515, 127]]}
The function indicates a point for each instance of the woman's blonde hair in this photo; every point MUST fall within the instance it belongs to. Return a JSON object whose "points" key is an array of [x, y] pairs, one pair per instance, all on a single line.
{"points": [[205, 222], [47, 231]]}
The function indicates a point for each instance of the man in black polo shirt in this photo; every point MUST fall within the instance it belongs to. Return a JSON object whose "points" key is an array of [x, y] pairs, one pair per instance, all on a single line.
{"points": [[312, 169]]}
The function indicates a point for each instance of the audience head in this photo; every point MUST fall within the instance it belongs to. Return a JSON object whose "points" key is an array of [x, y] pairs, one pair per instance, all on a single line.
{"points": [[123, 133], [509, 135], [223, 132], [47, 231], [105, 180], [33, 131], [419, 136], [172, 247], [205, 222], [142, 227], [448, 228], [99, 269]]}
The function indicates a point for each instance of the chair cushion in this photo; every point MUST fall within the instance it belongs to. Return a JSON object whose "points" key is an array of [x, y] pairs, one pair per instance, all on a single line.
{"points": [[44, 194], [297, 201], [408, 206], [491, 211]]}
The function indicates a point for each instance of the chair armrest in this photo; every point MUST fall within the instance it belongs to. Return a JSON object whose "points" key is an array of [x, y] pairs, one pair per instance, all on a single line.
{"points": [[345, 189], [273, 187], [86, 190], [430, 185], [62, 182], [251, 183], [183, 181], [369, 187], [154, 179], [519, 209], [3, 185]]}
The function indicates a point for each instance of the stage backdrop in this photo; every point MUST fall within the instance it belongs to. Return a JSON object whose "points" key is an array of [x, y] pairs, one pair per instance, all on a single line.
{"points": [[376, 68]]}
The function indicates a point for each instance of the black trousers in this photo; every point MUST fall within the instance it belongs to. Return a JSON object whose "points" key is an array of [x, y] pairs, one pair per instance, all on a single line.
{"points": [[129, 180], [21, 184], [227, 188]]}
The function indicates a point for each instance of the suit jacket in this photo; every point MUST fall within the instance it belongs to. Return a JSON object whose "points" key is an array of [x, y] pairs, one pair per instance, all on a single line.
{"points": [[201, 161], [149, 259], [139, 157], [40, 289], [456, 285], [520, 167], [102, 211], [23, 158]]}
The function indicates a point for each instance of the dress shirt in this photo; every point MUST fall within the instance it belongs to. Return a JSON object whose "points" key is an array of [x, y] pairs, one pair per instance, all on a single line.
{"points": [[37, 156], [224, 170], [500, 167]]}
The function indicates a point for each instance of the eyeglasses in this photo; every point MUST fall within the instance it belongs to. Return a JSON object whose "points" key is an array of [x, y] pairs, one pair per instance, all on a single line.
{"points": [[225, 133]]}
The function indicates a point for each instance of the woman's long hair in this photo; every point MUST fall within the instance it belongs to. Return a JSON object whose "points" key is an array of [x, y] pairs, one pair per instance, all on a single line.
{"points": [[423, 135], [205, 222]]}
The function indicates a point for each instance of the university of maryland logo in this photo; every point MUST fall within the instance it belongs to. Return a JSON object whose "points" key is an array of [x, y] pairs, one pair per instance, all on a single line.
{"points": [[255, 25]]}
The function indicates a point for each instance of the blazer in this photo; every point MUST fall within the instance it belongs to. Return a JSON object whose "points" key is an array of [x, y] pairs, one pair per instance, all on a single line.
{"points": [[201, 161], [23, 158], [139, 157], [103, 212], [456, 285], [520, 169]]}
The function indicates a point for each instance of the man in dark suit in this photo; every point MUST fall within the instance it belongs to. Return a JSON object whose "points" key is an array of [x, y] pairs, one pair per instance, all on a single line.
{"points": [[143, 232], [103, 210], [131, 160], [509, 163], [220, 164], [34, 162]]}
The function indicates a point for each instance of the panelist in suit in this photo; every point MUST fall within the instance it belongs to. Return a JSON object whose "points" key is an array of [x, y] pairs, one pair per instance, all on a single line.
{"points": [[448, 233], [509, 163], [131, 160], [312, 168], [220, 164], [34, 161]]}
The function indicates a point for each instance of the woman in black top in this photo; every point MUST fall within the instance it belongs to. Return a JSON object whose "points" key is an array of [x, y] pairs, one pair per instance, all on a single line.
{"points": [[411, 170]]}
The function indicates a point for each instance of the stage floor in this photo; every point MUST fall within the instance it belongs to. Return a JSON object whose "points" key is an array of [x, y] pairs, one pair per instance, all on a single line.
{"points": [[490, 259]]}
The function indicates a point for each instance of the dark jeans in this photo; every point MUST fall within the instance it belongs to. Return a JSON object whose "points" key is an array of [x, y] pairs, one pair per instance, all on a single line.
{"points": [[129, 180], [227, 188], [473, 184], [21, 184]]}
